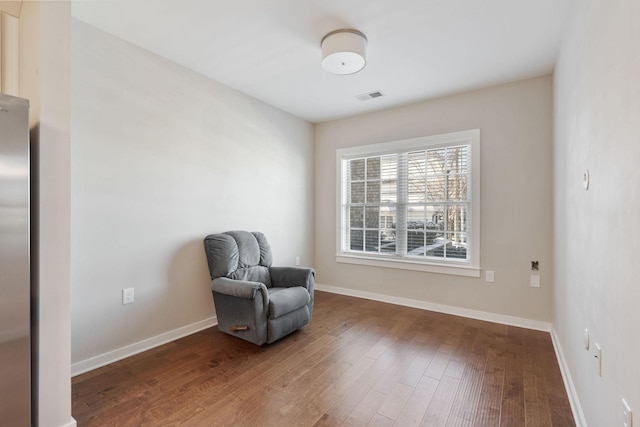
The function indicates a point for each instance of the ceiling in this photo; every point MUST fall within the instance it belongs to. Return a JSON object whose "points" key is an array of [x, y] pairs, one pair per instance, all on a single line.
{"points": [[270, 49]]}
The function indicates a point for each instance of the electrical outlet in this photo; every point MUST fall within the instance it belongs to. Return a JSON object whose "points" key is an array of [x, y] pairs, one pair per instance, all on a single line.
{"points": [[534, 281], [627, 415], [297, 260], [489, 276], [127, 296]]}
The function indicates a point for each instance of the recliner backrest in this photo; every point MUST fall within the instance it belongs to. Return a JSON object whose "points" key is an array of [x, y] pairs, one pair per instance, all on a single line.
{"points": [[239, 255]]}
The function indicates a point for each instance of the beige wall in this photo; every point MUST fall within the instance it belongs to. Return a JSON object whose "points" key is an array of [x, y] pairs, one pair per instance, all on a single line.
{"points": [[44, 80], [597, 238], [516, 215], [9, 51], [161, 157]]}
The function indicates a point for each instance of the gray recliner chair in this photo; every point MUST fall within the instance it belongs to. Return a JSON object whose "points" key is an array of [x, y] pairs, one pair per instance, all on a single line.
{"points": [[255, 301]]}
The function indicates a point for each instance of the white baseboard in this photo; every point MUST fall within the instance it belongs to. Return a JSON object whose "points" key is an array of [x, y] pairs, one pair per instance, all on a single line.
{"points": [[578, 415], [441, 308], [71, 423], [121, 353]]}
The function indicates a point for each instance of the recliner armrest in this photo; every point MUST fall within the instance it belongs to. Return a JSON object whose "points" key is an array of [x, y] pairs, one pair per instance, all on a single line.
{"points": [[286, 277], [240, 289]]}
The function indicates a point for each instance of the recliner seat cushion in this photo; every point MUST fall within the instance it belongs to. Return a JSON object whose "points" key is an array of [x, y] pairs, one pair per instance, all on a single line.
{"points": [[285, 300]]}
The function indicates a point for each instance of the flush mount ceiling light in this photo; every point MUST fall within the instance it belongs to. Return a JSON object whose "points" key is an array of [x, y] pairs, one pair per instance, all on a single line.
{"points": [[343, 51]]}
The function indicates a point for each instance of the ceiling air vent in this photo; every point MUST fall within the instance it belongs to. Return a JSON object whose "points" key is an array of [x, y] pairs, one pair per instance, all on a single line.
{"points": [[370, 95]]}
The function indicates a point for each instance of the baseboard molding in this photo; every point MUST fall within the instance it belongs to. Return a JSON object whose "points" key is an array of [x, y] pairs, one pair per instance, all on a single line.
{"points": [[113, 356], [440, 308], [71, 423], [578, 415]]}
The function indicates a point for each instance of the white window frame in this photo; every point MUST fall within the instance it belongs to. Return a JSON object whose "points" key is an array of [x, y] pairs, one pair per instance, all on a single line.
{"points": [[469, 267]]}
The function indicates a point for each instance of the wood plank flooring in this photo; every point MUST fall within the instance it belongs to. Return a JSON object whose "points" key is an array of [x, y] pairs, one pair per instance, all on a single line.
{"points": [[357, 363]]}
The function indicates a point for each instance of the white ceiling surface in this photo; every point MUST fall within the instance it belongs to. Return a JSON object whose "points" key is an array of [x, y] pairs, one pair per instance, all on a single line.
{"points": [[270, 49]]}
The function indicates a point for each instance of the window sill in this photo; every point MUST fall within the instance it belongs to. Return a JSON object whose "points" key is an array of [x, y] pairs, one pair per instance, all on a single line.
{"points": [[402, 264]]}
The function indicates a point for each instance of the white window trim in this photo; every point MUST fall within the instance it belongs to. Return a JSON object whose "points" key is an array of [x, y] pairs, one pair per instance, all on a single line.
{"points": [[470, 268]]}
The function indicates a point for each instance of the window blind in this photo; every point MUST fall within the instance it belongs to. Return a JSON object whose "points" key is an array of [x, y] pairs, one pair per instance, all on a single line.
{"points": [[413, 203]]}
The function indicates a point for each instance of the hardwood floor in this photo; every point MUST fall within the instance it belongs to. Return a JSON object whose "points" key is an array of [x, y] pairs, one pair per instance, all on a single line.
{"points": [[357, 363]]}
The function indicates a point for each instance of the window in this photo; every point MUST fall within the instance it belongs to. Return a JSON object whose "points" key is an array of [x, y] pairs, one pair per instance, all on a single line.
{"points": [[411, 204]]}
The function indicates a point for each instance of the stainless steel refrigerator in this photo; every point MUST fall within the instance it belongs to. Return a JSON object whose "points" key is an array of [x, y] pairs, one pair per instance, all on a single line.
{"points": [[15, 283]]}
